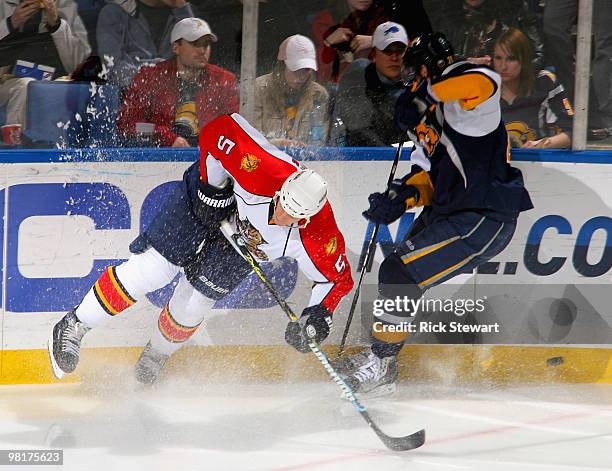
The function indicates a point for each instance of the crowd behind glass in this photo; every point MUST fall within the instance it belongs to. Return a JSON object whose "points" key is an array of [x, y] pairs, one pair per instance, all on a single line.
{"points": [[83, 73]]}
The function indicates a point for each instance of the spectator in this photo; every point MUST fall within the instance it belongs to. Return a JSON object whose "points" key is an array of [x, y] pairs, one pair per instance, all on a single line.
{"points": [[535, 109], [44, 32], [13, 94], [473, 26], [279, 19], [559, 18], [291, 109], [367, 93], [180, 95], [89, 10], [136, 32], [352, 38], [335, 12]]}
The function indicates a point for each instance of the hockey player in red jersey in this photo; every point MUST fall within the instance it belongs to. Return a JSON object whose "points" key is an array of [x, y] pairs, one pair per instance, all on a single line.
{"points": [[279, 208], [471, 196]]}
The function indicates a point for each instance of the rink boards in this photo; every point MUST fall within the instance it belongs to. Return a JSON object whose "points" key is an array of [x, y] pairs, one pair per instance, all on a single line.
{"points": [[68, 216]]}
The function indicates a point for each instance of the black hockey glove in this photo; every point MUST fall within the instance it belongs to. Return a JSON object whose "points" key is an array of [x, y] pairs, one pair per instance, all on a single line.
{"points": [[315, 324], [411, 105], [386, 209], [212, 204]]}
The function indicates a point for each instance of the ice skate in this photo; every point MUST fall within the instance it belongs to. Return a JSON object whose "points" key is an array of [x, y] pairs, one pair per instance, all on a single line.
{"points": [[373, 376], [149, 365], [65, 344], [348, 364]]}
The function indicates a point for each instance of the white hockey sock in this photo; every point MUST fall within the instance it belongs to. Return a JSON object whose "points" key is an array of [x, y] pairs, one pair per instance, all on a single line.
{"points": [[118, 288]]}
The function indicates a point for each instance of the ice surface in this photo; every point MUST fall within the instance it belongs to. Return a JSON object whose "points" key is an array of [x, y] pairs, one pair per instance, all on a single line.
{"points": [[183, 425]]}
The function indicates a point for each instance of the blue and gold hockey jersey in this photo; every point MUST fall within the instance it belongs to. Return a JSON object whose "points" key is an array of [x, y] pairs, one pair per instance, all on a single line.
{"points": [[462, 144]]}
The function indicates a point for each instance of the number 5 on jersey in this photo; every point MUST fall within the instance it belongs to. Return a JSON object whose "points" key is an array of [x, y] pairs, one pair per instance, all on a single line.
{"points": [[340, 264], [225, 145]]}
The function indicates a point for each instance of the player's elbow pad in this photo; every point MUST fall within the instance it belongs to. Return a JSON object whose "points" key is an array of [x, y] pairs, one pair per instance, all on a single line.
{"points": [[213, 204]]}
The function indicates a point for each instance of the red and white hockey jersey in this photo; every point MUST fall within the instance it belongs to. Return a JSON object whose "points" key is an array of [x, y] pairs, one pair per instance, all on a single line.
{"points": [[231, 147]]}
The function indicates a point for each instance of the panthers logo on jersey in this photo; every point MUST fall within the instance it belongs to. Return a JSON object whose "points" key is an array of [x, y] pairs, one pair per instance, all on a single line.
{"points": [[331, 246], [249, 162], [252, 238]]}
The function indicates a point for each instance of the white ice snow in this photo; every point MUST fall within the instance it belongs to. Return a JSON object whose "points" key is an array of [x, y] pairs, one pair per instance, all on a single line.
{"points": [[112, 424]]}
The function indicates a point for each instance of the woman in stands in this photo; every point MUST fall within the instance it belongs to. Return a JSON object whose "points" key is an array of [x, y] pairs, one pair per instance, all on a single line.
{"points": [[535, 107]]}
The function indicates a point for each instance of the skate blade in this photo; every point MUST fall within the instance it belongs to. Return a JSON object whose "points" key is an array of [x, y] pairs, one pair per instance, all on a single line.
{"points": [[381, 391], [57, 371], [144, 383]]}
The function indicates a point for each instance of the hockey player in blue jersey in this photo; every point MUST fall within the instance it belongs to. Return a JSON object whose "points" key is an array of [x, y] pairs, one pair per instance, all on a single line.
{"points": [[471, 196]]}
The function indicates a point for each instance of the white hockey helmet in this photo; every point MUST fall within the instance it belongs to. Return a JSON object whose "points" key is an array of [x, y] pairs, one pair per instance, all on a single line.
{"points": [[303, 194]]}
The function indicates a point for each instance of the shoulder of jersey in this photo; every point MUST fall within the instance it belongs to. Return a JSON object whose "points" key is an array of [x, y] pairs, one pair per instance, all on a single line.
{"points": [[321, 224], [256, 165], [462, 67], [466, 69], [472, 91]]}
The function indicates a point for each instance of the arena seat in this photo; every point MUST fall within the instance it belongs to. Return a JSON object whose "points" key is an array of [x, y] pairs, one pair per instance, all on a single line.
{"points": [[51, 107], [98, 128]]}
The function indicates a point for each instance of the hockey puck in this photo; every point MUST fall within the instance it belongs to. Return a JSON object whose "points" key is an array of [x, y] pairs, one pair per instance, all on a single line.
{"points": [[554, 361]]}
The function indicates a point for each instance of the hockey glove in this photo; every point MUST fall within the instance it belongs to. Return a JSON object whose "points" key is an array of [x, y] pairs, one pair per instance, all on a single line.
{"points": [[315, 324], [386, 209], [411, 105], [213, 204]]}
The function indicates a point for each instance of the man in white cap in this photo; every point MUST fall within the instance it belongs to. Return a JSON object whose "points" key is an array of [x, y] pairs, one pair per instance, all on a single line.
{"points": [[180, 95], [291, 109], [368, 91]]}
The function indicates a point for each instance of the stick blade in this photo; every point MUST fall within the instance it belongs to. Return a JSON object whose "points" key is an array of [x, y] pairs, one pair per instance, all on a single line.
{"points": [[406, 443], [409, 442]]}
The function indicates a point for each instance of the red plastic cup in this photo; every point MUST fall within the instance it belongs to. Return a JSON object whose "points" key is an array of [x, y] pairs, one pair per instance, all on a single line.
{"points": [[11, 134]]}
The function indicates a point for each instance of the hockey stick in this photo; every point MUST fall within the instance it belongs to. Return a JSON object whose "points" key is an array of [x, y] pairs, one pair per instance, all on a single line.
{"points": [[369, 254], [409, 442]]}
